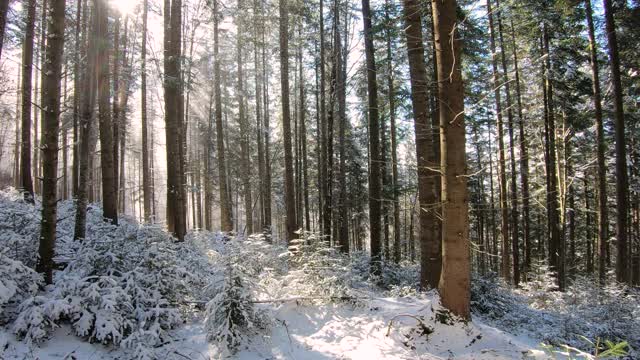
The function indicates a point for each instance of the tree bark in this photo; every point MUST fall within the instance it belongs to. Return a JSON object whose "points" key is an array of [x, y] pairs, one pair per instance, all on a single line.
{"points": [[289, 190], [146, 168], [456, 274], [622, 185], [226, 224], [51, 126], [430, 242], [109, 185], [515, 246], [26, 183], [502, 178], [375, 191]]}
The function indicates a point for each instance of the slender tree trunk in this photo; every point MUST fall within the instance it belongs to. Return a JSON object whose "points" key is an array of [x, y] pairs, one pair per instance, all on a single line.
{"points": [[266, 194], [303, 143], [556, 246], [322, 128], [394, 145], [4, 9], [328, 157], [146, 167], [524, 161], [26, 183], [39, 110], [456, 274], [87, 104], [430, 243], [244, 133], [600, 152], [259, 129], [109, 185], [289, 190], [622, 186], [75, 172], [375, 191], [51, 126], [18, 134], [120, 199], [502, 178], [515, 246], [225, 201]]}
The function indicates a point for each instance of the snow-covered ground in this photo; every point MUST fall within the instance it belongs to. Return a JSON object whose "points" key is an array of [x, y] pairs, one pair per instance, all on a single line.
{"points": [[156, 299], [334, 331]]}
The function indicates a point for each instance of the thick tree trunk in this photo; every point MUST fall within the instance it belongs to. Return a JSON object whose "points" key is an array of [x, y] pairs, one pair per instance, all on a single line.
{"points": [[26, 183], [456, 274], [87, 103], [225, 201], [430, 242], [109, 185], [375, 191], [176, 209], [289, 190], [622, 185], [51, 126], [4, 9]]}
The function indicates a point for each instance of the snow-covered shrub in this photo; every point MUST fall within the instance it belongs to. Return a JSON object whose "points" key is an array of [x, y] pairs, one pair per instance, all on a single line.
{"points": [[318, 271], [583, 311], [231, 316], [17, 282], [125, 288], [19, 227]]}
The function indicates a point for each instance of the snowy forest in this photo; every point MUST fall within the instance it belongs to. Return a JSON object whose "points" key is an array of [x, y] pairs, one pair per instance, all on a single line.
{"points": [[319, 179]]}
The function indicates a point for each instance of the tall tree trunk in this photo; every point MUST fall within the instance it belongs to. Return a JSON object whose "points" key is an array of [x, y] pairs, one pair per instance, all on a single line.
{"points": [[342, 222], [4, 9], [120, 199], [259, 129], [502, 178], [556, 246], [176, 207], [289, 190], [75, 171], [515, 247], [266, 192], [328, 156], [524, 160], [87, 103], [456, 274], [375, 191], [109, 185], [394, 144], [39, 110], [17, 144], [430, 242], [146, 167], [51, 126], [622, 186], [303, 141], [244, 133], [26, 183], [225, 201], [602, 211], [322, 166]]}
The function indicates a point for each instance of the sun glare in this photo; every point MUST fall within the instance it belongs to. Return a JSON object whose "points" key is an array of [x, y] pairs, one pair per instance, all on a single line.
{"points": [[124, 6]]}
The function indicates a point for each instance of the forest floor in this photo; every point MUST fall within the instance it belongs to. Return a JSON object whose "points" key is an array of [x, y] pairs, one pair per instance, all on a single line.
{"points": [[396, 323]]}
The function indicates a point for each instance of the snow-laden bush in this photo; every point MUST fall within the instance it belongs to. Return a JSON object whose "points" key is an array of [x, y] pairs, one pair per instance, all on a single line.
{"points": [[583, 311], [319, 272], [126, 288], [19, 227], [231, 316], [17, 282]]}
